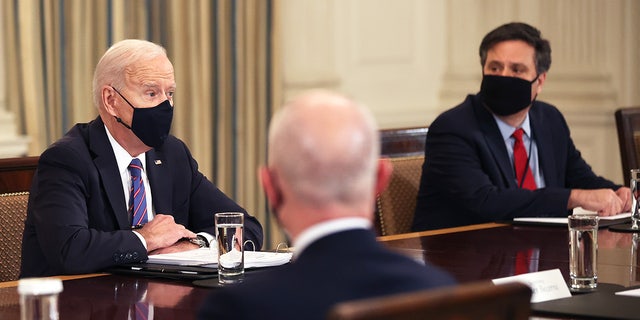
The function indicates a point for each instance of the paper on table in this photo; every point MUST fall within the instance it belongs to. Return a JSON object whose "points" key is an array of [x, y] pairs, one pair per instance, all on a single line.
{"points": [[632, 292], [565, 220], [545, 285], [209, 257]]}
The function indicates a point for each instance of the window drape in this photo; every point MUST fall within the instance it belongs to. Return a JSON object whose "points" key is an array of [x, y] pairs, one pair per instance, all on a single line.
{"points": [[222, 55]]}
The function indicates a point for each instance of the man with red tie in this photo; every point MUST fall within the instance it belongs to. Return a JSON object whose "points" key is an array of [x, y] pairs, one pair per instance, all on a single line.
{"points": [[502, 154]]}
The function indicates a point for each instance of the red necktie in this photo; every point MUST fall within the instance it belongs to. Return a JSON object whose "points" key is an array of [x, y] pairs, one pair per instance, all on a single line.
{"points": [[526, 261], [521, 162]]}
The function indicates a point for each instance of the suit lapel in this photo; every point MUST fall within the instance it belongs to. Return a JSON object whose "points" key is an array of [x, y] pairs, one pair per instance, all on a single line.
{"points": [[105, 162], [494, 141], [159, 178], [544, 143]]}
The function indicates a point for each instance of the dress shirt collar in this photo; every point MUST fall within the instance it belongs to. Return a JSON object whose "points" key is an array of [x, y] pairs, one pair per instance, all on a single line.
{"points": [[323, 229], [507, 130], [123, 158]]}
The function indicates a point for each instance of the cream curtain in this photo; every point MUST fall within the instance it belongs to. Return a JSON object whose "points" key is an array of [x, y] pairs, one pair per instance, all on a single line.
{"points": [[222, 53]]}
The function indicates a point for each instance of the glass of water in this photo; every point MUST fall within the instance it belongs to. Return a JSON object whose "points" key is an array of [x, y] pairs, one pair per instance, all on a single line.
{"points": [[583, 252], [635, 194], [229, 234]]}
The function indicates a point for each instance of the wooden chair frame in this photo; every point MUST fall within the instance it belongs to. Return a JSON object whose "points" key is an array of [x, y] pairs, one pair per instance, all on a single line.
{"points": [[480, 300]]}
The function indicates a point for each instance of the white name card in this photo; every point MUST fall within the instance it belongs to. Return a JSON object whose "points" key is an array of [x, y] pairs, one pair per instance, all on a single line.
{"points": [[632, 293], [546, 285]]}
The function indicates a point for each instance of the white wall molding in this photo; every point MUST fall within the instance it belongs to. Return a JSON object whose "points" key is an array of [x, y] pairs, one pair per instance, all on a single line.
{"points": [[409, 60]]}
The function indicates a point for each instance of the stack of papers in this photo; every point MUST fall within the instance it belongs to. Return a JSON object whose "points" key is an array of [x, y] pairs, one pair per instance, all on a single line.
{"points": [[632, 293], [565, 220], [209, 257], [547, 220]]}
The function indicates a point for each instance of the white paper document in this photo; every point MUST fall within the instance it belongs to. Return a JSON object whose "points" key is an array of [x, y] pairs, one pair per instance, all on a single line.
{"points": [[209, 257], [545, 285], [564, 220], [632, 293]]}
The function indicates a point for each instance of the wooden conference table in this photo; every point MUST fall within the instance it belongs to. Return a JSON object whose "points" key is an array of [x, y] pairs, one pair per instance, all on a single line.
{"points": [[472, 253]]}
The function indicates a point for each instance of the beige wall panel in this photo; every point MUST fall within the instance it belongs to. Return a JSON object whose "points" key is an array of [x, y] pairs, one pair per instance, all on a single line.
{"points": [[409, 60], [390, 56]]}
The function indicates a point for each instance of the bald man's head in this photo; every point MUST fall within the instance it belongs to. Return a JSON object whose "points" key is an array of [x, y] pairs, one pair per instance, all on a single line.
{"points": [[325, 147]]}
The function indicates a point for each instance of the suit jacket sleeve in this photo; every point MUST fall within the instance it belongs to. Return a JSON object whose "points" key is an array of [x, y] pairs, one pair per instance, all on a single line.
{"points": [[70, 226]]}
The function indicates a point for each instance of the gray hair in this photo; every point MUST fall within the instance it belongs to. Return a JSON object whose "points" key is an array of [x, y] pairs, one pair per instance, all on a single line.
{"points": [[326, 148], [121, 55]]}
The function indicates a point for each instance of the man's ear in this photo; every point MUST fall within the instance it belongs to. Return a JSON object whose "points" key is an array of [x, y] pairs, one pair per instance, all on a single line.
{"points": [[385, 168], [541, 79], [108, 98], [270, 186]]}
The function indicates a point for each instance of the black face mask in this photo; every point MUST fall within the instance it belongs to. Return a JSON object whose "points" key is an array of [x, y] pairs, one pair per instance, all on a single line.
{"points": [[150, 125], [505, 96]]}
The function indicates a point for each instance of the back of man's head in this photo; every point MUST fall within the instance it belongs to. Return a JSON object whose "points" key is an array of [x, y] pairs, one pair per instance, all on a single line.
{"points": [[325, 148]]}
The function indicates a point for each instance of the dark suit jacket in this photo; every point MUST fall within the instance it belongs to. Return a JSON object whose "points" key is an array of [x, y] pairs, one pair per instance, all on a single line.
{"points": [[467, 176], [342, 266], [77, 219]]}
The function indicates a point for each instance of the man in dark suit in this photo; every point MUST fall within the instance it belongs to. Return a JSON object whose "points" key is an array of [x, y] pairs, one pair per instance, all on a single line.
{"points": [[322, 176], [469, 174], [83, 202]]}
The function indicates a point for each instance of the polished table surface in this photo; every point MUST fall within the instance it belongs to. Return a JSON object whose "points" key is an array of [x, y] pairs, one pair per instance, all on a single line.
{"points": [[480, 252], [106, 296], [489, 251]]}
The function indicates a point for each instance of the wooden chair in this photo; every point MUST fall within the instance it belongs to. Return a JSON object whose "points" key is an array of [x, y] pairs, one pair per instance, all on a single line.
{"points": [[628, 125], [15, 180], [396, 205], [403, 142], [480, 300]]}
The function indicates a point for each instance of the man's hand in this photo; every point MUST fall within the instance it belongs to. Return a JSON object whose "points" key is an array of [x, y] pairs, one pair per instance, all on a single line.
{"points": [[624, 194], [604, 201], [181, 245], [163, 231]]}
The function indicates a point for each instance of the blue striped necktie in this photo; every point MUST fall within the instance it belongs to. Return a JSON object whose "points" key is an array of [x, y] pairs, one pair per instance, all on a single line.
{"points": [[138, 199], [140, 311]]}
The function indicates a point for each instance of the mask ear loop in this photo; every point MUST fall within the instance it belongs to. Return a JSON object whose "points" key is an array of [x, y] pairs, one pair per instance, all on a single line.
{"points": [[535, 79], [129, 103]]}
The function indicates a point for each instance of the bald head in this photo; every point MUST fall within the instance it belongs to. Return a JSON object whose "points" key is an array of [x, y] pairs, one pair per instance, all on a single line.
{"points": [[325, 148]]}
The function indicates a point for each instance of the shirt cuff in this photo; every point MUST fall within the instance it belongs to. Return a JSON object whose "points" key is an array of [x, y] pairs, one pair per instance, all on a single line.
{"points": [[144, 243]]}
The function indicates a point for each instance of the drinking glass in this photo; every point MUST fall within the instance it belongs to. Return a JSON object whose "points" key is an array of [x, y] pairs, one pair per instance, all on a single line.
{"points": [[583, 252], [229, 232]]}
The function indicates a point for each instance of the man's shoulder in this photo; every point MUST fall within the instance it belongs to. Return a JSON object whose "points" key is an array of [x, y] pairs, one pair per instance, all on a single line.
{"points": [[73, 144], [543, 107], [465, 106], [459, 117], [547, 114]]}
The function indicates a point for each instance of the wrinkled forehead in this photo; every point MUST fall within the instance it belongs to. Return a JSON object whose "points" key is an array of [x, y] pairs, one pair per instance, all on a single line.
{"points": [[156, 72]]}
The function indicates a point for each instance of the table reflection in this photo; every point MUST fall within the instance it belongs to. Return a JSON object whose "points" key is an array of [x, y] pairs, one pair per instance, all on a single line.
{"points": [[509, 250], [118, 297], [634, 267]]}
